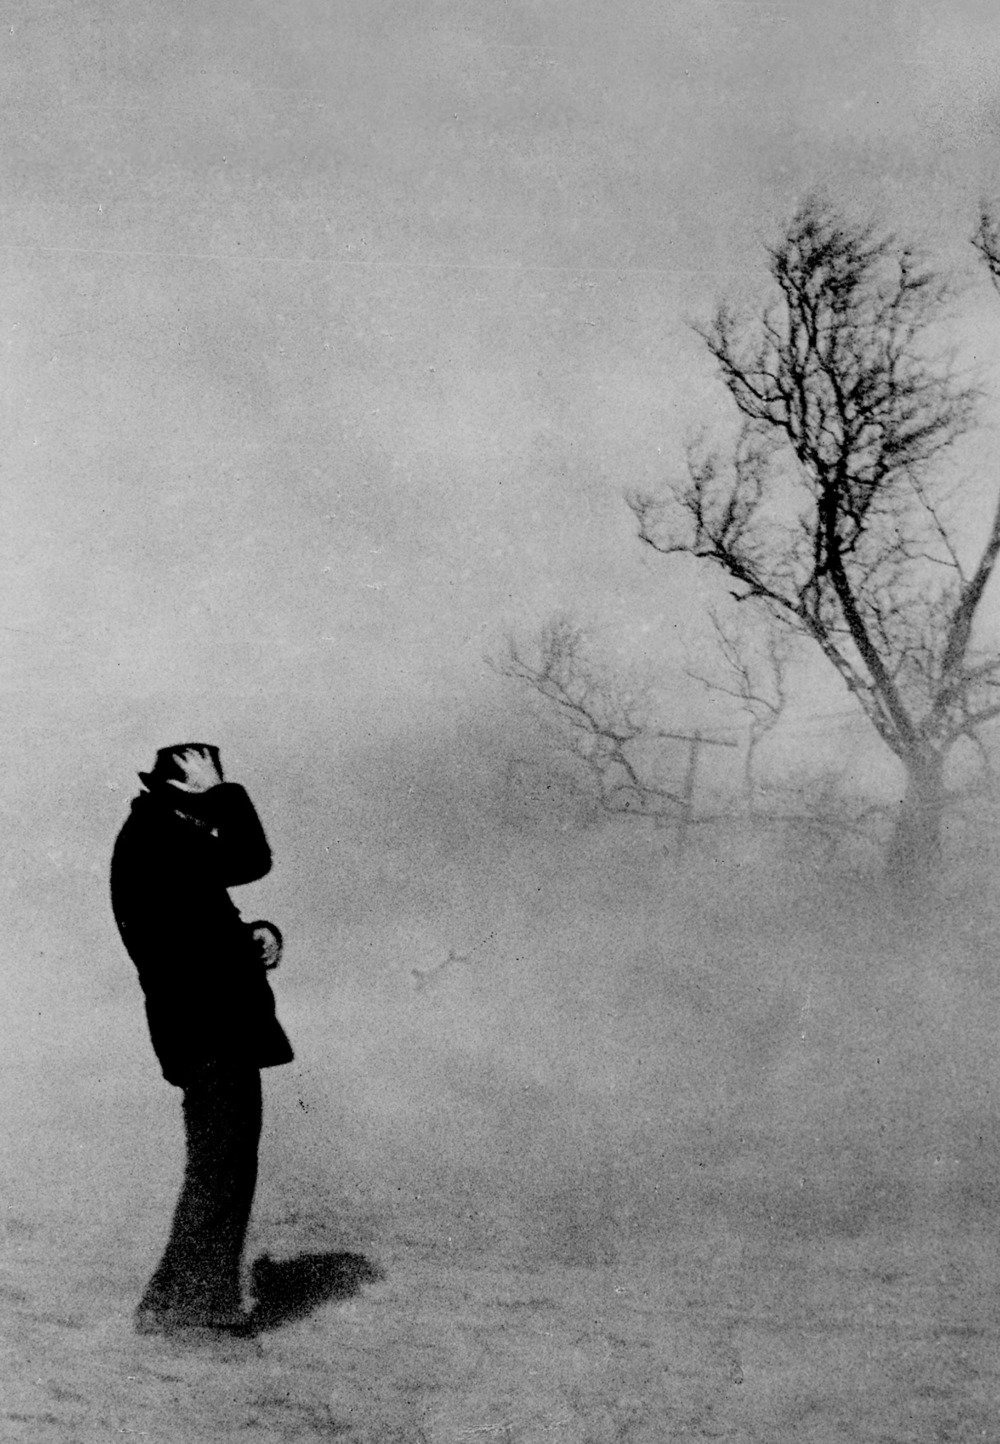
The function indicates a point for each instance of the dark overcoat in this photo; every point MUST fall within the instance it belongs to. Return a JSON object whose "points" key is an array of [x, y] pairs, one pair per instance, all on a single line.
{"points": [[207, 995]]}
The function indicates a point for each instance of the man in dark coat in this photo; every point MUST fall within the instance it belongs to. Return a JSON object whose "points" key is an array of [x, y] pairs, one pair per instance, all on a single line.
{"points": [[189, 837]]}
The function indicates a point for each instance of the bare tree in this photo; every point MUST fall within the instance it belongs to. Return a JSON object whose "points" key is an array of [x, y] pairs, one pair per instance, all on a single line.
{"points": [[605, 726], [831, 510]]}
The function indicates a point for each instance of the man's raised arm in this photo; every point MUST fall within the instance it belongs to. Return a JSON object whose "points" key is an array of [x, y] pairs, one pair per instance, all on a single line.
{"points": [[243, 851]]}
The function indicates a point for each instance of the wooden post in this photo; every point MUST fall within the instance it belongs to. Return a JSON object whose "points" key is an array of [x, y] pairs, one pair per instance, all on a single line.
{"points": [[696, 741]]}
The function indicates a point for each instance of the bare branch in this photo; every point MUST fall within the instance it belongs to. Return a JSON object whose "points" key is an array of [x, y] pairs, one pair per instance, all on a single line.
{"points": [[755, 665], [605, 725], [986, 240]]}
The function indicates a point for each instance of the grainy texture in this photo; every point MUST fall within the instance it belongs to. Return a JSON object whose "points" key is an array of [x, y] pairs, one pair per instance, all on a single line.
{"points": [[333, 335], [704, 1336], [673, 1199]]}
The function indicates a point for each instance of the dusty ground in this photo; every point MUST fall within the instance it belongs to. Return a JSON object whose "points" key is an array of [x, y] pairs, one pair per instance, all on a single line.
{"points": [[671, 1198], [704, 1337]]}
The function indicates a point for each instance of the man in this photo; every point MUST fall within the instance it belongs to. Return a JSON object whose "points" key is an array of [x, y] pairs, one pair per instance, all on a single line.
{"points": [[189, 837]]}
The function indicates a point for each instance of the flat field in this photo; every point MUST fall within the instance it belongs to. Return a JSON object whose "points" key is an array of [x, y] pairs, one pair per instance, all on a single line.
{"points": [[586, 1151]]}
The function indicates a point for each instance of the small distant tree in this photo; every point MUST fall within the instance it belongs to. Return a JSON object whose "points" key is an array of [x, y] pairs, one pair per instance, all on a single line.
{"points": [[604, 725], [831, 511], [812, 806]]}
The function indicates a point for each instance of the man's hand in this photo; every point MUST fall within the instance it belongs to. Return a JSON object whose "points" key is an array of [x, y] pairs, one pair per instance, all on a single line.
{"points": [[269, 942], [199, 769]]}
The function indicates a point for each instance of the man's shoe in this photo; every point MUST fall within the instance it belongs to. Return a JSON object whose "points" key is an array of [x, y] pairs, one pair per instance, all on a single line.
{"points": [[151, 1320]]}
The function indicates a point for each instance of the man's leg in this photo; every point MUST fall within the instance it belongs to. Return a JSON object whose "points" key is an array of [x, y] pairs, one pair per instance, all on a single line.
{"points": [[198, 1278]]}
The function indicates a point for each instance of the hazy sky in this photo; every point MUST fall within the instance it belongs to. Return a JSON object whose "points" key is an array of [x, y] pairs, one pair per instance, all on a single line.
{"points": [[334, 331]]}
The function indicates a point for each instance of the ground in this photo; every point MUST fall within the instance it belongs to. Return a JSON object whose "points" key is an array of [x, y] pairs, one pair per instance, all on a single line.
{"points": [[705, 1337], [741, 1190]]}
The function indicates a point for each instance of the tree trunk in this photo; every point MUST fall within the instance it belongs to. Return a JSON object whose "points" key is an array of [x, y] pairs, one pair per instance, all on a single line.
{"points": [[914, 854]]}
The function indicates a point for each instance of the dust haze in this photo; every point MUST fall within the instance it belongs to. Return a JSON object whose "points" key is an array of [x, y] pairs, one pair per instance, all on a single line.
{"points": [[520, 1032], [334, 338], [670, 1107]]}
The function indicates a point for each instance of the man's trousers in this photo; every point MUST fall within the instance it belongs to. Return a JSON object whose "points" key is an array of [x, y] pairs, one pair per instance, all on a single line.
{"points": [[198, 1276]]}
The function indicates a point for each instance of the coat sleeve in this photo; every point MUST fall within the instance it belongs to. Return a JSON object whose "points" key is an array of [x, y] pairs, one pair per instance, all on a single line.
{"points": [[242, 851]]}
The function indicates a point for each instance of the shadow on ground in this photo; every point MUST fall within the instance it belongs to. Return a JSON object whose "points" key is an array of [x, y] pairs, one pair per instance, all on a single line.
{"points": [[289, 1289]]}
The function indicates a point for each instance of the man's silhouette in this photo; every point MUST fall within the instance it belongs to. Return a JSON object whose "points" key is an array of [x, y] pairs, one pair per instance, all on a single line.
{"points": [[189, 837]]}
